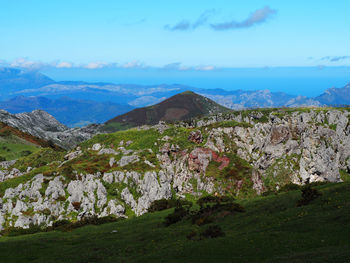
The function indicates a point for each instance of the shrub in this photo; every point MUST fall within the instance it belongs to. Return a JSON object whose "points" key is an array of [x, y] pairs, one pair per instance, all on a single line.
{"points": [[192, 235], [25, 153], [164, 204], [178, 214], [60, 223], [66, 225], [206, 215], [212, 232], [269, 192], [2, 159], [289, 187], [17, 231], [308, 194], [214, 199]]}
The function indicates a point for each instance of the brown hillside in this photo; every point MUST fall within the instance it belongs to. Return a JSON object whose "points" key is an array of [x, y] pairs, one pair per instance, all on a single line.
{"points": [[182, 106]]}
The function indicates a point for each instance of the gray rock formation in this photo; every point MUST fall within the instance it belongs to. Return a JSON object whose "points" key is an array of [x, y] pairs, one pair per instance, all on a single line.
{"points": [[42, 125], [218, 155]]}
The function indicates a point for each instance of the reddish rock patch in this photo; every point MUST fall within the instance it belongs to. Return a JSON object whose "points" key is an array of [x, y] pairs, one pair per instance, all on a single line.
{"points": [[225, 161], [200, 158]]}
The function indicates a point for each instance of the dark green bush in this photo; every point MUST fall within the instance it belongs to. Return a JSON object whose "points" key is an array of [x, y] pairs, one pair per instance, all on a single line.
{"points": [[212, 232], [214, 199], [192, 235], [66, 225], [60, 223], [207, 214], [25, 153], [289, 187], [17, 231], [178, 214], [164, 204], [308, 194]]}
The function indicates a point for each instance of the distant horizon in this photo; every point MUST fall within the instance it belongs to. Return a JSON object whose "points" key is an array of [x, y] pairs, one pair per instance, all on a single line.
{"points": [[304, 81]]}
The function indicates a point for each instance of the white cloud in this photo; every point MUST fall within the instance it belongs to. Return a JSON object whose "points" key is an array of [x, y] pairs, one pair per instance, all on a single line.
{"points": [[176, 66], [132, 64], [95, 65], [27, 64], [205, 68], [64, 65]]}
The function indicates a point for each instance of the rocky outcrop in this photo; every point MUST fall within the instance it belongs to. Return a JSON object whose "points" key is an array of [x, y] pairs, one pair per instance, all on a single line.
{"points": [[240, 154], [42, 125]]}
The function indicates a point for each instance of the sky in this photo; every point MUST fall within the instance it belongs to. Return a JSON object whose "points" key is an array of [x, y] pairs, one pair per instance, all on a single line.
{"points": [[177, 35]]}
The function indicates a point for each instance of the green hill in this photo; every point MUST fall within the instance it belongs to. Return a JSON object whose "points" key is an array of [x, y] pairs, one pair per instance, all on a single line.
{"points": [[183, 106]]}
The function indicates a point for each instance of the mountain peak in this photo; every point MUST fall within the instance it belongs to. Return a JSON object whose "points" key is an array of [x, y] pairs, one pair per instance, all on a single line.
{"points": [[183, 106]]}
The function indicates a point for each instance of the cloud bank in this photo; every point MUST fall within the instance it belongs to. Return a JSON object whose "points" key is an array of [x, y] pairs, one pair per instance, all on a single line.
{"points": [[31, 65], [257, 17], [336, 58], [187, 25]]}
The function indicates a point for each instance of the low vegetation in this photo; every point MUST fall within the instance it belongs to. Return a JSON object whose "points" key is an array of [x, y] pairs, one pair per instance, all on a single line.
{"points": [[272, 229]]}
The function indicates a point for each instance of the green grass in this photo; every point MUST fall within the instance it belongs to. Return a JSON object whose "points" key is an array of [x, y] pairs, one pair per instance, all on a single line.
{"points": [[273, 229], [12, 150], [40, 158], [141, 139], [116, 126]]}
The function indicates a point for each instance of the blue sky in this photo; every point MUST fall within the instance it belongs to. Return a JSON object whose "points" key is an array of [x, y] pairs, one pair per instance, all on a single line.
{"points": [[133, 33], [300, 47]]}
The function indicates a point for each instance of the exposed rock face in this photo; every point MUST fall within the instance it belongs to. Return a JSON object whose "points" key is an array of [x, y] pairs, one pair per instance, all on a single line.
{"points": [[196, 136], [6, 174], [42, 125], [251, 151]]}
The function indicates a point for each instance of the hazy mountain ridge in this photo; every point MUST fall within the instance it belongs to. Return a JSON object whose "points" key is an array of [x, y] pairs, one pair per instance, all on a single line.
{"points": [[68, 111], [335, 96], [121, 97]]}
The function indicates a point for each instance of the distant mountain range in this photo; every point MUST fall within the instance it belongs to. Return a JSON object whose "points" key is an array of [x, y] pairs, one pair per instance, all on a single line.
{"points": [[40, 124], [71, 112], [76, 103], [335, 96]]}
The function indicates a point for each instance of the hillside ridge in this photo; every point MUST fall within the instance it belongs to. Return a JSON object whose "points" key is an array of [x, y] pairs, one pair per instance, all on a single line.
{"points": [[183, 106]]}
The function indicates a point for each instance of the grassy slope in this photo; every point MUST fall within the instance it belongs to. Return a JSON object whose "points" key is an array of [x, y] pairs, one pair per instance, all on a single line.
{"points": [[15, 143], [272, 229], [11, 150]]}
